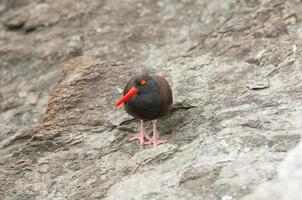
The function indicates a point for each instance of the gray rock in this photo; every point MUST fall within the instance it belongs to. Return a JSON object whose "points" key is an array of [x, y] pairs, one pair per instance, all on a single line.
{"points": [[233, 132], [288, 182]]}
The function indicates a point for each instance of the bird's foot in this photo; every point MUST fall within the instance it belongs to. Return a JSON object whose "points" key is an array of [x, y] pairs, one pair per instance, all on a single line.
{"points": [[140, 137], [155, 141]]}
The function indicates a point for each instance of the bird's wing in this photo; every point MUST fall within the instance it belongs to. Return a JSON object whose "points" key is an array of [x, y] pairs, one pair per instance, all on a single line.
{"points": [[166, 94]]}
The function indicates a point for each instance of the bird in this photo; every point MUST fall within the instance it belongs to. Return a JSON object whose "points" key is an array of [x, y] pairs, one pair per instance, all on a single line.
{"points": [[147, 98]]}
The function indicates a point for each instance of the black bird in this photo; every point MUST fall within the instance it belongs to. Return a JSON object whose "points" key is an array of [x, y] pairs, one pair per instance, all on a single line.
{"points": [[147, 98]]}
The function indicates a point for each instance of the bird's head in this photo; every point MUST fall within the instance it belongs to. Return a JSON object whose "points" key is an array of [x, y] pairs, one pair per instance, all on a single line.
{"points": [[142, 84]]}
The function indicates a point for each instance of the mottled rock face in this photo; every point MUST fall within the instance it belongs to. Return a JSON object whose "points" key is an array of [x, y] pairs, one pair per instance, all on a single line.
{"points": [[235, 71]]}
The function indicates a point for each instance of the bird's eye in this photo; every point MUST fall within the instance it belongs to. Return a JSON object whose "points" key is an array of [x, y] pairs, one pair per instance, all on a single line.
{"points": [[142, 82]]}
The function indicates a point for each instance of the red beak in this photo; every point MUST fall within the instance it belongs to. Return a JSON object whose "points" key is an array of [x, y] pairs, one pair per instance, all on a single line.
{"points": [[127, 96]]}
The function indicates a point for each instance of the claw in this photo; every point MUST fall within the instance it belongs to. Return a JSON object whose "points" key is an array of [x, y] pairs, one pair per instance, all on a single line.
{"points": [[154, 141], [141, 136]]}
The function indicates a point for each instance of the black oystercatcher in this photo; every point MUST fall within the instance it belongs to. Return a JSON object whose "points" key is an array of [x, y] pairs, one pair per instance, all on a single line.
{"points": [[147, 98]]}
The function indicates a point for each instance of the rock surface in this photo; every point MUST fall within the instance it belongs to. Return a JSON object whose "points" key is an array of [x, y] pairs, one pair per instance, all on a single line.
{"points": [[235, 70]]}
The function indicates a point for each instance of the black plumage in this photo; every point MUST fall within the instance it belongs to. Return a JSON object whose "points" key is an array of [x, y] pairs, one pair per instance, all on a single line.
{"points": [[153, 99], [147, 98]]}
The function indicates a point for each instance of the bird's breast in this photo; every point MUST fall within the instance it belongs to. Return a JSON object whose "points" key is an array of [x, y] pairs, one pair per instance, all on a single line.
{"points": [[145, 106]]}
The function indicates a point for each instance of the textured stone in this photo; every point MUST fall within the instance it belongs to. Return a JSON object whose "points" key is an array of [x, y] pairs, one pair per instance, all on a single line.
{"points": [[235, 70]]}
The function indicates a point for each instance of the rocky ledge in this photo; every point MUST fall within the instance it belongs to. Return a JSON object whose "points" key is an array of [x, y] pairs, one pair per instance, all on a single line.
{"points": [[235, 126]]}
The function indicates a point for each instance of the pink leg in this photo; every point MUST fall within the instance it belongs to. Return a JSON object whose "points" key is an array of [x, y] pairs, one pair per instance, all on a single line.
{"points": [[154, 140], [141, 135]]}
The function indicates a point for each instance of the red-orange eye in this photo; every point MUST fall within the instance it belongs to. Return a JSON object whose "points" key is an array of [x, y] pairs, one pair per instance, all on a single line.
{"points": [[143, 82]]}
